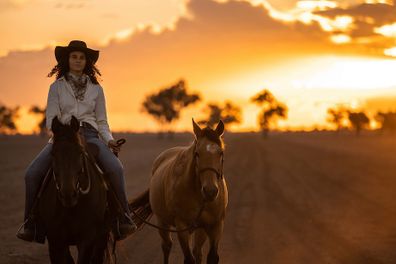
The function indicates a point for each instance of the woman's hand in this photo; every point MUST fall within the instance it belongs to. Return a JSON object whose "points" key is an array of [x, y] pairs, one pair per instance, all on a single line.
{"points": [[114, 146]]}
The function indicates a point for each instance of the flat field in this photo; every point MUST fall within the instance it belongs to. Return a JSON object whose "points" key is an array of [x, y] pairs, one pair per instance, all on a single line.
{"points": [[297, 198]]}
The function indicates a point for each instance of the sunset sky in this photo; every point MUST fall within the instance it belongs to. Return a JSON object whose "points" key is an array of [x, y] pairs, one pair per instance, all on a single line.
{"points": [[311, 55]]}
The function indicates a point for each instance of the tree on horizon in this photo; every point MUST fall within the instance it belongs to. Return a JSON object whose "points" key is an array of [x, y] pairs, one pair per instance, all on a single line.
{"points": [[358, 120], [387, 121], [229, 114], [7, 119], [166, 105], [271, 110], [40, 112], [337, 116]]}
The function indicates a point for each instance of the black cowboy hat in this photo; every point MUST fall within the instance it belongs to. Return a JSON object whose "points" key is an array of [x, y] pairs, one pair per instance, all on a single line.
{"points": [[76, 45]]}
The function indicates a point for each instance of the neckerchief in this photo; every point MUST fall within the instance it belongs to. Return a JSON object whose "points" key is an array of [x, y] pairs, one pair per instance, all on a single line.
{"points": [[79, 85]]}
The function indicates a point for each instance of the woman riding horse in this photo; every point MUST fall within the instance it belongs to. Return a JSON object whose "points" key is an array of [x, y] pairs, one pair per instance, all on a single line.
{"points": [[76, 92]]}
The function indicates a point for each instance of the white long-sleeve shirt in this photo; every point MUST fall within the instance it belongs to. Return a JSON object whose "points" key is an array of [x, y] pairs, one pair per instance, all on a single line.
{"points": [[63, 104]]}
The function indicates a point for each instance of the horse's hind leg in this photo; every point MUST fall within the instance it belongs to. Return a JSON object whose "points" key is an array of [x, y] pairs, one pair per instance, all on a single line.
{"points": [[59, 253], [214, 234], [166, 244], [199, 240]]}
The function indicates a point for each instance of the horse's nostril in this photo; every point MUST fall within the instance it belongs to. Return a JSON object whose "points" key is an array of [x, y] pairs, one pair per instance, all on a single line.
{"points": [[210, 192]]}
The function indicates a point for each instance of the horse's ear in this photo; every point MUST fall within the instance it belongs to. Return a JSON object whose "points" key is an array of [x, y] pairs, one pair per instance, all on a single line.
{"points": [[74, 124], [220, 128], [55, 125], [197, 129]]}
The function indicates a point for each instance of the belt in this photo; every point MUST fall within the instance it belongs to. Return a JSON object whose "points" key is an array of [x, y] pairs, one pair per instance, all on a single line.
{"points": [[86, 125]]}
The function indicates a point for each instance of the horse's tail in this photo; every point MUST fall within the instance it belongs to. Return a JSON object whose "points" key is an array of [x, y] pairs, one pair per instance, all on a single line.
{"points": [[140, 208]]}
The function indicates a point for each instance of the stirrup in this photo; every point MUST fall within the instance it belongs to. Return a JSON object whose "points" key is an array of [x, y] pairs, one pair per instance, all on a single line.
{"points": [[36, 237], [118, 234]]}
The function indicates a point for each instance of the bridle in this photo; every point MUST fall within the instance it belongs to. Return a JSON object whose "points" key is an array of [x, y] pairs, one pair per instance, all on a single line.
{"points": [[84, 171], [219, 173]]}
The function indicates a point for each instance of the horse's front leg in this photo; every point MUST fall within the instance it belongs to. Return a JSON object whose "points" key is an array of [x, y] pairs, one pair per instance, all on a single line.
{"points": [[85, 252], [185, 241], [98, 253], [199, 240], [214, 234], [59, 253], [166, 241]]}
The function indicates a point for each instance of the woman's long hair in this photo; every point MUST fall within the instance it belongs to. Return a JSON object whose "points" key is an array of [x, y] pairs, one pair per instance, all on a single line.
{"points": [[63, 67]]}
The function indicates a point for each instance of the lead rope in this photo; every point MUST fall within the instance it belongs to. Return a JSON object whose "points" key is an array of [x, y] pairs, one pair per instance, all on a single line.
{"points": [[193, 226]]}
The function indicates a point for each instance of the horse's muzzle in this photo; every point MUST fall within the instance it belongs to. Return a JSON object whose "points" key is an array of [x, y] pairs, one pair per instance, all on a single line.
{"points": [[69, 200], [210, 193]]}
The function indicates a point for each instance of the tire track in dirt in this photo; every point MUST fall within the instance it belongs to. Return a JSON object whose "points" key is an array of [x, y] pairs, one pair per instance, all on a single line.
{"points": [[246, 197], [242, 198], [297, 190]]}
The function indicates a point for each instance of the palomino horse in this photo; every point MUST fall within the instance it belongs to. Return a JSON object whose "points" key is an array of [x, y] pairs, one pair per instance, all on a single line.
{"points": [[72, 207], [188, 191]]}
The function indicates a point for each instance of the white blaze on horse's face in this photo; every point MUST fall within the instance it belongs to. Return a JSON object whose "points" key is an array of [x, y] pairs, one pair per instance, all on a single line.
{"points": [[208, 164], [212, 148]]}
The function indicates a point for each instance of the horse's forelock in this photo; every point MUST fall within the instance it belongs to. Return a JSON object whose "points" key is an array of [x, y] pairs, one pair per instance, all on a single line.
{"points": [[67, 134], [212, 135]]}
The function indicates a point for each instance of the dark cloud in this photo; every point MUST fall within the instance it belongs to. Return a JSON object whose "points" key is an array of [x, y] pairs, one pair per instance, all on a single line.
{"points": [[380, 13], [367, 17], [6, 5], [24, 75]]}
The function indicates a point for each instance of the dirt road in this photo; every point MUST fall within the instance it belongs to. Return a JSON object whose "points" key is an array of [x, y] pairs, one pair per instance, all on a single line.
{"points": [[294, 198]]}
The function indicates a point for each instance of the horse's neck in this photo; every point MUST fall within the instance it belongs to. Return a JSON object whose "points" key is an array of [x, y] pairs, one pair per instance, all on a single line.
{"points": [[186, 159]]}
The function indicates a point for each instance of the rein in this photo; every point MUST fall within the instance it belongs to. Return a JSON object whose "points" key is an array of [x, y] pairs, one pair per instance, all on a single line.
{"points": [[85, 171]]}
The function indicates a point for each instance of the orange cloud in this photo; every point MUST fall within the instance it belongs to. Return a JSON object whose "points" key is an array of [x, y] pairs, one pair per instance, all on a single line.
{"points": [[13, 4]]}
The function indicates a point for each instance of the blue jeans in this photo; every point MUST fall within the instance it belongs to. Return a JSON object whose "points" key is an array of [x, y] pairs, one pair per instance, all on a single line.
{"points": [[107, 161]]}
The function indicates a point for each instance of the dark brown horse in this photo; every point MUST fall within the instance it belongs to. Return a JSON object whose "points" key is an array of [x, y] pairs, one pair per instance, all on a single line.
{"points": [[188, 191], [72, 207]]}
